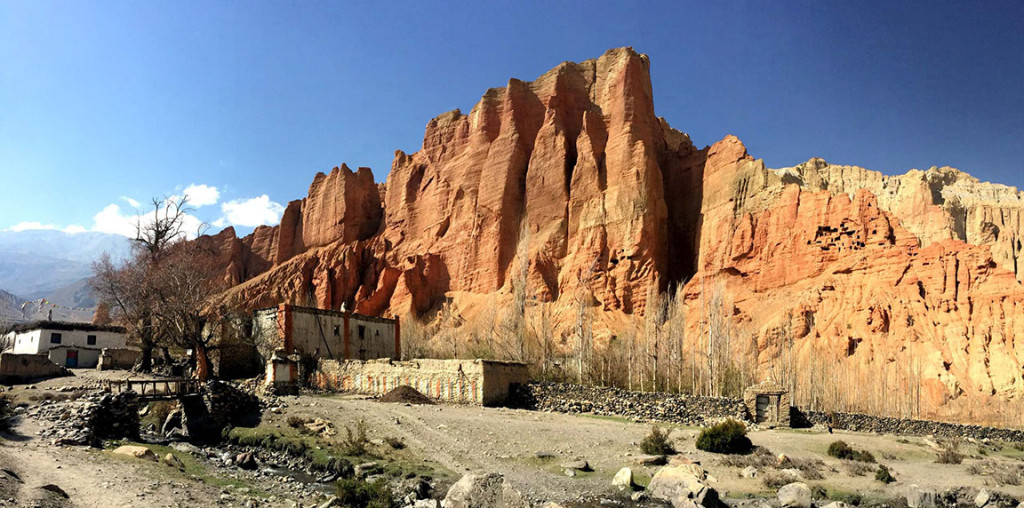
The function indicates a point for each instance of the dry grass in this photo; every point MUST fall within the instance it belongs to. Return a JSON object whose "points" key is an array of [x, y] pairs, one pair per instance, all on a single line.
{"points": [[855, 468], [950, 452], [1001, 473], [761, 458]]}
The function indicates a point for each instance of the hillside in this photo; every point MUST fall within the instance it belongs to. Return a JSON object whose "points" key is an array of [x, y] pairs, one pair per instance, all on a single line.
{"points": [[888, 294]]}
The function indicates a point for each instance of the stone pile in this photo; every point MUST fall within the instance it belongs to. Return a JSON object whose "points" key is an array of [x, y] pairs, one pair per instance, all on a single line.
{"points": [[230, 405], [639, 406], [89, 419]]}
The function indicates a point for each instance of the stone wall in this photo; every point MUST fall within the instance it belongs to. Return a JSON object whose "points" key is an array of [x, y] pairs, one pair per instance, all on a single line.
{"points": [[640, 406], [463, 381], [887, 425], [694, 410], [114, 359], [17, 368]]}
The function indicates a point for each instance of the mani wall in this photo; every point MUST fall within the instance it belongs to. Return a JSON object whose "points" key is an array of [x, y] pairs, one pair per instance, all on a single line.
{"points": [[482, 382]]}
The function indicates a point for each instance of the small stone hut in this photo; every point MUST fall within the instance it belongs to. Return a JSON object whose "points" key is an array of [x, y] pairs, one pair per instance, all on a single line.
{"points": [[768, 404]]}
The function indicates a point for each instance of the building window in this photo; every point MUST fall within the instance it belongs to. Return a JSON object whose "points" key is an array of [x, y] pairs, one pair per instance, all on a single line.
{"points": [[90, 340], [362, 332], [54, 338], [337, 330]]}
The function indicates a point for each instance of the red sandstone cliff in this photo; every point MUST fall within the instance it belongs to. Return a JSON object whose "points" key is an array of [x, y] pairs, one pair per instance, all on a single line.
{"points": [[575, 175]]}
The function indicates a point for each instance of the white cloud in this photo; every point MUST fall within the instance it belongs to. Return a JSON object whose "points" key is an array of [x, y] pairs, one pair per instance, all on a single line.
{"points": [[202, 195], [131, 202], [111, 220], [30, 226], [252, 212], [36, 226]]}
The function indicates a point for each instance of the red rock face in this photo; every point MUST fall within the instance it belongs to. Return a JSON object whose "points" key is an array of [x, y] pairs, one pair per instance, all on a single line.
{"points": [[574, 175]]}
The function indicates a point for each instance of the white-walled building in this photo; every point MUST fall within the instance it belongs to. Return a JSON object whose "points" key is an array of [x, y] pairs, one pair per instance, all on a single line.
{"points": [[66, 344]]}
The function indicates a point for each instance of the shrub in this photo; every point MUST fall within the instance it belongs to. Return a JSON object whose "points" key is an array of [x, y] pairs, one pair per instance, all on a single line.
{"points": [[761, 458], [296, 422], [729, 436], [854, 468], [657, 442], [355, 440], [362, 494], [774, 479], [6, 411], [950, 453], [810, 469], [883, 475], [841, 450]]}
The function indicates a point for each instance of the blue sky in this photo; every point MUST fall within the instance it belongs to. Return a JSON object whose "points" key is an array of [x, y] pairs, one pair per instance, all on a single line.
{"points": [[103, 103]]}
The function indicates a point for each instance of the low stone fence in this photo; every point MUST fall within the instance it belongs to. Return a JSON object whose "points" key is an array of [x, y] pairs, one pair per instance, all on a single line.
{"points": [[483, 382], [887, 425], [696, 410], [19, 368], [640, 406]]}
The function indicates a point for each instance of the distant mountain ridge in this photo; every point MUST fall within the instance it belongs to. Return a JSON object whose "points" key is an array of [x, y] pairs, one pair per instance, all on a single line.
{"points": [[36, 263]]}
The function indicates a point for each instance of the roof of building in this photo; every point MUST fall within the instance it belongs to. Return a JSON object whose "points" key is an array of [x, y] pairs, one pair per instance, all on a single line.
{"points": [[327, 312], [66, 326]]}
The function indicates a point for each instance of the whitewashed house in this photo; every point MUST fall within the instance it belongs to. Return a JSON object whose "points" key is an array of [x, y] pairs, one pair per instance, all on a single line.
{"points": [[72, 345]]}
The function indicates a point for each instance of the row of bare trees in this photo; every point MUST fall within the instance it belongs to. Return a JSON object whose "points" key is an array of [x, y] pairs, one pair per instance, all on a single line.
{"points": [[162, 292]]}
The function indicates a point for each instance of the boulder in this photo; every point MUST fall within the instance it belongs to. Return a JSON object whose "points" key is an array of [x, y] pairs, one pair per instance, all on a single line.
{"points": [[920, 498], [483, 491], [795, 495], [623, 479], [749, 472], [246, 461], [139, 452], [837, 504], [982, 498], [680, 486]]}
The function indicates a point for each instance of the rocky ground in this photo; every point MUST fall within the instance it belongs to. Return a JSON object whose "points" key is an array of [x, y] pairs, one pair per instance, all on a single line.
{"points": [[539, 455]]}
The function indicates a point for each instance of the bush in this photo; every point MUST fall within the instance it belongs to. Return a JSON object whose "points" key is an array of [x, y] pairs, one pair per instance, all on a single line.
{"points": [[883, 475], [841, 450], [657, 443], [362, 494], [761, 458], [950, 453], [296, 422], [355, 440], [729, 436], [6, 411]]}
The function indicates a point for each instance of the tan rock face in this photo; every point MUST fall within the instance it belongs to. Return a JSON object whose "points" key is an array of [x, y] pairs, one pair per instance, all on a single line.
{"points": [[574, 175]]}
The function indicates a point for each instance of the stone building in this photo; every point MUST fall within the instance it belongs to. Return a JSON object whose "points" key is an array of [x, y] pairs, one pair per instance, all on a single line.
{"points": [[768, 404], [72, 345], [319, 333]]}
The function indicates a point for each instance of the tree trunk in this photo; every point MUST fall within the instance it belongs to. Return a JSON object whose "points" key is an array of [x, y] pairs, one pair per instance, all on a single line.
{"points": [[146, 362], [202, 372]]}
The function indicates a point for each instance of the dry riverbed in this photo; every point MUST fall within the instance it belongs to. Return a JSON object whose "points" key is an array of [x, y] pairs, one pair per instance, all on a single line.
{"points": [[444, 442]]}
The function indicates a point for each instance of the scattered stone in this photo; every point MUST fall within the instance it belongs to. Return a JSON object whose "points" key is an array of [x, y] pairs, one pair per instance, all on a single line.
{"points": [[571, 473], [579, 465], [173, 461], [837, 504], [331, 501], [246, 461], [637, 497], [186, 448], [623, 479], [139, 452], [795, 495], [749, 472], [648, 460]]}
